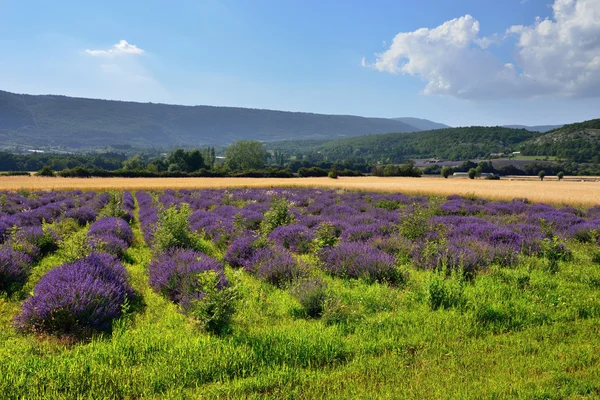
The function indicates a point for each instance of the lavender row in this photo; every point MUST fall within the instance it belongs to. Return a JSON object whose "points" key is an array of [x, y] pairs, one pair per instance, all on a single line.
{"points": [[111, 235], [77, 298]]}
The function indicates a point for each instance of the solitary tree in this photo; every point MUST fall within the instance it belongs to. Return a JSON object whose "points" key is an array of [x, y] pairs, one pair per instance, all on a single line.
{"points": [[446, 172], [472, 173], [560, 175], [244, 155], [542, 175]]}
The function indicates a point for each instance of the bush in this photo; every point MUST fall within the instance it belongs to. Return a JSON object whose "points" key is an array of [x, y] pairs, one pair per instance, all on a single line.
{"points": [[276, 266], [175, 275], [173, 232], [77, 299], [214, 311], [14, 270], [45, 171], [358, 260], [278, 215], [445, 293], [312, 294], [446, 171]]}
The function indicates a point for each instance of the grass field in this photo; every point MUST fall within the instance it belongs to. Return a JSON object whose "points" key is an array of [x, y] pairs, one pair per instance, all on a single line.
{"points": [[522, 331], [565, 192]]}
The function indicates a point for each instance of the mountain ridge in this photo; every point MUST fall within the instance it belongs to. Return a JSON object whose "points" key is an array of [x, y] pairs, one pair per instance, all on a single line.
{"points": [[79, 122]]}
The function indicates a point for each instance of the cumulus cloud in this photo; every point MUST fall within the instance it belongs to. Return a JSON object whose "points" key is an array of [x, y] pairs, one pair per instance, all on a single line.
{"points": [[558, 56], [118, 49]]}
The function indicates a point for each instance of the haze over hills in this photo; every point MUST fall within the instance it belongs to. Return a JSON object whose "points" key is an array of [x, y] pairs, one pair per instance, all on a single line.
{"points": [[535, 128], [37, 120], [422, 124]]}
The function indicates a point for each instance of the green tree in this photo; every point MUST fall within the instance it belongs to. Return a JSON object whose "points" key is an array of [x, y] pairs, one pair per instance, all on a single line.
{"points": [[542, 175], [472, 173], [244, 155], [446, 171], [560, 175], [134, 163]]}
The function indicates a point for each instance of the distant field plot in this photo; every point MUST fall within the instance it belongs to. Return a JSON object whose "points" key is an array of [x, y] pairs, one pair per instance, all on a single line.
{"points": [[296, 293], [571, 192]]}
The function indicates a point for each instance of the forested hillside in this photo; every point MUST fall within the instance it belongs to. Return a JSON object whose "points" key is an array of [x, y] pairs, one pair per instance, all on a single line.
{"points": [[578, 142], [448, 144], [78, 123]]}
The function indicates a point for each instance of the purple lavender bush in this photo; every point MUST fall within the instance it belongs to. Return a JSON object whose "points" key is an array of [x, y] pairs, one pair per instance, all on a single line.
{"points": [[276, 266], [175, 275], [77, 299], [358, 260], [14, 270]]}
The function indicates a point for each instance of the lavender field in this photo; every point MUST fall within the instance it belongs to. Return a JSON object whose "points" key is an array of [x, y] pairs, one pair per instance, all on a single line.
{"points": [[299, 293]]}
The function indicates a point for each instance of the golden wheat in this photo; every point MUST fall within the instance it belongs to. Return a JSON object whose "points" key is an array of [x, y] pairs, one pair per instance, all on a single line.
{"points": [[573, 192]]}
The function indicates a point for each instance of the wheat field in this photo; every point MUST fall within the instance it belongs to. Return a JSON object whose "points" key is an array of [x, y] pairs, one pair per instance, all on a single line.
{"points": [[584, 193]]}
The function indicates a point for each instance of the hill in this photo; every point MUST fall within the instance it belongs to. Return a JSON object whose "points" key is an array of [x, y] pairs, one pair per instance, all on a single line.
{"points": [[578, 142], [536, 128], [77, 123], [449, 144], [422, 124]]}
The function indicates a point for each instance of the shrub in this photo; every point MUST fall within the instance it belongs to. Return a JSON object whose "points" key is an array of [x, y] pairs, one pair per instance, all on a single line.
{"points": [[175, 274], [45, 171], [325, 236], [296, 238], [78, 298], [446, 171], [445, 292], [276, 266], [311, 293], [173, 231], [14, 270], [214, 311], [278, 215], [242, 250], [357, 260]]}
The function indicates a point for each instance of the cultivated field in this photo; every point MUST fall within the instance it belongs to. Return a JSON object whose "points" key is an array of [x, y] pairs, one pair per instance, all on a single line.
{"points": [[296, 293], [549, 191]]}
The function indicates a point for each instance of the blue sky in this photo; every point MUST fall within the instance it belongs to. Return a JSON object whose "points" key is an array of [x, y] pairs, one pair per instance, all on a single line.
{"points": [[482, 62]]}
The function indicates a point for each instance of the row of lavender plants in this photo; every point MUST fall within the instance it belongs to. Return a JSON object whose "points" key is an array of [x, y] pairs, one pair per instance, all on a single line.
{"points": [[368, 234], [80, 297], [84, 297], [24, 240]]}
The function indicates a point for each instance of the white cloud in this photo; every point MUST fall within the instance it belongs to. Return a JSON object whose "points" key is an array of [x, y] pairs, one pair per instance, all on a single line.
{"points": [[120, 48], [559, 56]]}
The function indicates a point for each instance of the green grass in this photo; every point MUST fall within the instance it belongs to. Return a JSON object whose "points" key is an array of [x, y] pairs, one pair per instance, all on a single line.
{"points": [[534, 158], [510, 333]]}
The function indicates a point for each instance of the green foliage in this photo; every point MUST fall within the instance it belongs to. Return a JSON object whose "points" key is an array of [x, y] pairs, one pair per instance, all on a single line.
{"points": [[448, 144], [472, 173], [278, 215], [333, 173], [325, 236], [184, 161], [215, 309], [560, 175], [114, 207], [173, 231], [134, 163], [542, 175], [312, 295], [445, 292], [388, 204], [446, 172], [45, 171], [245, 155], [75, 246]]}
